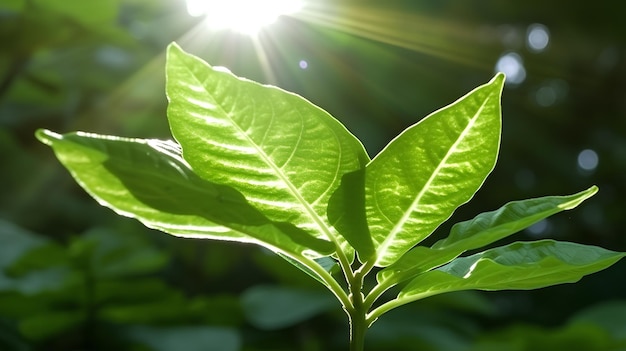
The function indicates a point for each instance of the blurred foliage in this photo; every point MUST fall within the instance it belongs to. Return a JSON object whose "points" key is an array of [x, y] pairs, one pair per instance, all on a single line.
{"points": [[75, 276]]}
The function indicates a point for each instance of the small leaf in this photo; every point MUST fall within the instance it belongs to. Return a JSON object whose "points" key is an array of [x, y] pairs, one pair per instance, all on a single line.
{"points": [[284, 154], [521, 266], [429, 170], [489, 227], [274, 307], [148, 180], [484, 229]]}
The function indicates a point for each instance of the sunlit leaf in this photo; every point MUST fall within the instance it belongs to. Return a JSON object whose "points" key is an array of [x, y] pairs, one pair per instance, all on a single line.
{"points": [[148, 180], [430, 169], [484, 229], [284, 154], [520, 266], [491, 226]]}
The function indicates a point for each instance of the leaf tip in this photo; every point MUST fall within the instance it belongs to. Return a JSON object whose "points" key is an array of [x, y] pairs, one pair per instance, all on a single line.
{"points": [[498, 79], [46, 136], [173, 46]]}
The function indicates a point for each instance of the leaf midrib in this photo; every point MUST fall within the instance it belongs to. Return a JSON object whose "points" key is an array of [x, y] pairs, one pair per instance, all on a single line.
{"points": [[267, 160], [382, 248]]}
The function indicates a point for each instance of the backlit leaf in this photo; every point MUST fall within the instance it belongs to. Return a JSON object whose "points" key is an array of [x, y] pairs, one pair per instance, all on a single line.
{"points": [[284, 154], [484, 229], [519, 266], [148, 180], [430, 169]]}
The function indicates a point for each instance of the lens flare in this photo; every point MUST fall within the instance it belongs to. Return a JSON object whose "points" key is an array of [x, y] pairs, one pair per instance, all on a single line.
{"points": [[244, 16]]}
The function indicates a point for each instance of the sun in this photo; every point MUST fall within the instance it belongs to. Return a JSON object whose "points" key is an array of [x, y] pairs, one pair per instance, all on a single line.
{"points": [[244, 16]]}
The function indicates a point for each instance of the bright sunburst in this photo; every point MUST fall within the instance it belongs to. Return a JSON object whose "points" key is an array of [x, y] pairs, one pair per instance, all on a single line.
{"points": [[244, 16]]}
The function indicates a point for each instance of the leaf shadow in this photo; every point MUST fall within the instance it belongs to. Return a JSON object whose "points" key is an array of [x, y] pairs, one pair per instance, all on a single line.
{"points": [[346, 212], [161, 180]]}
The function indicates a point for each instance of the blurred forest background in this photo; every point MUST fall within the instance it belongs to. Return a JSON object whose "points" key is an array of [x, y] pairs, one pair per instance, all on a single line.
{"points": [[75, 276]]}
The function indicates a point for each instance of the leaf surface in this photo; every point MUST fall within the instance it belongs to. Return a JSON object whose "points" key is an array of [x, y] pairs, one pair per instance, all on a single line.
{"points": [[148, 180], [430, 169], [482, 230], [520, 266], [284, 154]]}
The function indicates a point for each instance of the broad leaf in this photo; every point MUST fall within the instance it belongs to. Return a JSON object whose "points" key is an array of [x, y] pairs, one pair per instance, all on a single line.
{"points": [[429, 170], [284, 154], [484, 229], [148, 180], [520, 266]]}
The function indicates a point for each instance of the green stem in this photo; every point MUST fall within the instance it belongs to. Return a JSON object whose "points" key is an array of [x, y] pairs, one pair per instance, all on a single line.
{"points": [[358, 312], [376, 292], [358, 326], [397, 302], [331, 283]]}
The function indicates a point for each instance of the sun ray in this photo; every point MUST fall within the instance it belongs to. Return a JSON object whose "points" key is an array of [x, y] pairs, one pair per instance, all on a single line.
{"points": [[408, 30]]}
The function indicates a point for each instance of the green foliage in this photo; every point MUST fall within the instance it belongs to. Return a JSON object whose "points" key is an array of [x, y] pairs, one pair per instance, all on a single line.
{"points": [[256, 164], [101, 279]]}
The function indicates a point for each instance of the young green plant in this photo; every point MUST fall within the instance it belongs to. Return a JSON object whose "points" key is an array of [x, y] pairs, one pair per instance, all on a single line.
{"points": [[256, 164]]}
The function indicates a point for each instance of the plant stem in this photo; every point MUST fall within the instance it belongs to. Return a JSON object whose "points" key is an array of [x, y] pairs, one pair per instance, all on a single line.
{"points": [[358, 324], [358, 312]]}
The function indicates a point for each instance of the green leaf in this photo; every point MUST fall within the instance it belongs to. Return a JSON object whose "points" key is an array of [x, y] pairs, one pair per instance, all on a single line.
{"points": [[275, 307], [484, 229], [284, 154], [521, 266], [346, 212], [148, 180], [491, 226], [430, 169]]}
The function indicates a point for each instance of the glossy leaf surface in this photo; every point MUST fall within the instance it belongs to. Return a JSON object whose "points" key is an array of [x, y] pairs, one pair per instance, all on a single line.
{"points": [[480, 231], [430, 169], [284, 154], [148, 180], [520, 266]]}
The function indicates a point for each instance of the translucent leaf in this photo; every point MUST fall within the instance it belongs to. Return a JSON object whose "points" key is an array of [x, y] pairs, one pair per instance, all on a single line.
{"points": [[491, 226], [520, 266], [484, 229], [148, 180], [430, 169], [284, 154]]}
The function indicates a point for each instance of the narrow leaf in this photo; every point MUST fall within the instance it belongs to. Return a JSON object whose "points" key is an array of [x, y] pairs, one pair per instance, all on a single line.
{"points": [[429, 170], [284, 154], [489, 227], [521, 266], [484, 229], [148, 180]]}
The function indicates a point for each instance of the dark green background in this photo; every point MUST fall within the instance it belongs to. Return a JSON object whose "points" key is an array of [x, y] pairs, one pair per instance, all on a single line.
{"points": [[75, 276]]}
